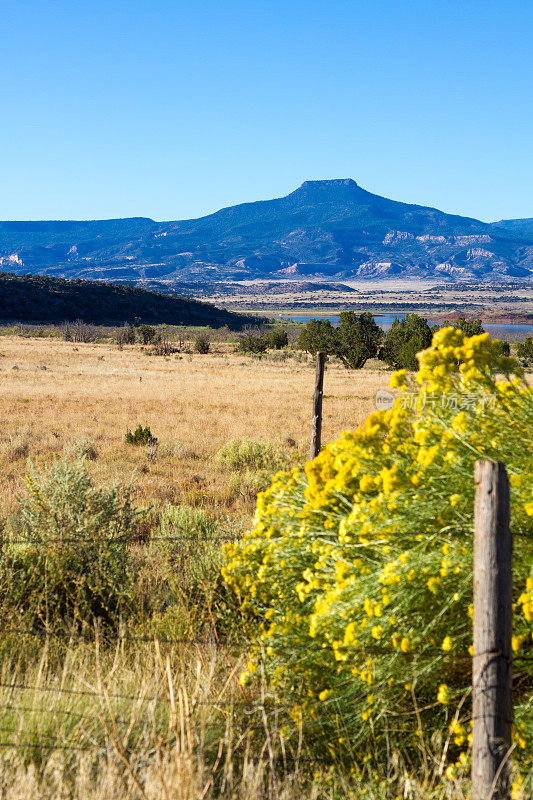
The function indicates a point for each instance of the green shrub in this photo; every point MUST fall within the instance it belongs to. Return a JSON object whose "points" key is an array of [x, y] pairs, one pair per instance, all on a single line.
{"points": [[253, 463], [525, 349], [140, 436], [202, 344], [277, 339], [186, 521], [247, 454], [249, 483], [179, 583], [147, 333], [253, 344], [66, 559]]}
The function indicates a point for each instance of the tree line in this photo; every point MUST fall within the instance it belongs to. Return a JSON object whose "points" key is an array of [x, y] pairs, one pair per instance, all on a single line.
{"points": [[358, 338]]}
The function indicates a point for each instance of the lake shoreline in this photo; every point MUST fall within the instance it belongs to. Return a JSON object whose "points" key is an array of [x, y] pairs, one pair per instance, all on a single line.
{"points": [[486, 317], [512, 331]]}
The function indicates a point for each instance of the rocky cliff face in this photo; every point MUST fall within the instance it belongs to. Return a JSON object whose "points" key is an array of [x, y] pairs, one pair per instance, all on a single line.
{"points": [[325, 229]]}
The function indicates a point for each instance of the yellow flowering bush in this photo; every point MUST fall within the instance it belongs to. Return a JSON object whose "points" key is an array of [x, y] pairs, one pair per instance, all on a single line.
{"points": [[357, 574]]}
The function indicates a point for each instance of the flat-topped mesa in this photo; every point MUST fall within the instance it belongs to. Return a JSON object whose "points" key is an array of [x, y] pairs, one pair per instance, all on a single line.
{"points": [[329, 183], [328, 229]]}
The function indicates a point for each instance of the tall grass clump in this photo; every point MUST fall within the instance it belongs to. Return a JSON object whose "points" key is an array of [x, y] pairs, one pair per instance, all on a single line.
{"points": [[178, 585], [155, 722], [357, 574], [189, 539], [65, 557], [187, 523], [247, 454], [252, 463]]}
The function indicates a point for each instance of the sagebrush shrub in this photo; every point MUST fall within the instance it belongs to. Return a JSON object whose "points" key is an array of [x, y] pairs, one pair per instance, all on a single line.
{"points": [[86, 448], [66, 558]]}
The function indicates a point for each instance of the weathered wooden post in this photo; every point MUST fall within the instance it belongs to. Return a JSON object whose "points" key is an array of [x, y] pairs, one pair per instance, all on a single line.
{"points": [[491, 674], [316, 426]]}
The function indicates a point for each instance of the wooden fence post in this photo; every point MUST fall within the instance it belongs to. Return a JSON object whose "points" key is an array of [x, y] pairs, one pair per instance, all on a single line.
{"points": [[316, 426], [491, 673]]}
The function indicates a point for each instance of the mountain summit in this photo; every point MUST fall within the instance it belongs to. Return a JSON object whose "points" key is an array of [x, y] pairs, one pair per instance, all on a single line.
{"points": [[324, 229], [329, 182]]}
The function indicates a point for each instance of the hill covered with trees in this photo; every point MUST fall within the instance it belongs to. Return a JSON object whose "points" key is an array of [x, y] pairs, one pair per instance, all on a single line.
{"points": [[42, 299]]}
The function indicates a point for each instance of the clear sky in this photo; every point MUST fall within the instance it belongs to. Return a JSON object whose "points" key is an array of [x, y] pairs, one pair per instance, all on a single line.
{"points": [[175, 109]]}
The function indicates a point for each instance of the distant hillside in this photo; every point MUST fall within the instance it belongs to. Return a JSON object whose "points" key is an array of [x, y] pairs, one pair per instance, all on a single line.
{"points": [[521, 227], [331, 229], [208, 289], [54, 300]]}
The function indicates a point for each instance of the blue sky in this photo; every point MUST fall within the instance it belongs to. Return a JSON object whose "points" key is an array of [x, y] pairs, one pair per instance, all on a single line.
{"points": [[175, 109]]}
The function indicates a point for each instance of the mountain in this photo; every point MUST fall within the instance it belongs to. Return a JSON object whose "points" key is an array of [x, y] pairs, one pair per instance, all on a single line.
{"points": [[43, 299], [331, 229], [521, 227]]}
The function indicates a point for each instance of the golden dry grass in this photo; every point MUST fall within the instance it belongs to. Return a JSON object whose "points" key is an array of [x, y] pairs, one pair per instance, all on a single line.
{"points": [[133, 747], [153, 722], [56, 394]]}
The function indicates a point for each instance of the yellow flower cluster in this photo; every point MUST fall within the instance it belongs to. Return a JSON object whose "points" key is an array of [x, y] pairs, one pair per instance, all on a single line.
{"points": [[359, 568]]}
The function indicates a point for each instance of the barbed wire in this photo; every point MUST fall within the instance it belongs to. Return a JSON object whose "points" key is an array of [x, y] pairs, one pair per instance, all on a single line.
{"points": [[263, 705], [284, 758], [63, 690], [217, 641], [27, 745], [53, 711], [147, 540], [121, 696], [69, 635], [10, 729], [134, 538]]}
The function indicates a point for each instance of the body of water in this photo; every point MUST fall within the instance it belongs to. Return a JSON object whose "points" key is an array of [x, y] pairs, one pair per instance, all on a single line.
{"points": [[511, 332]]}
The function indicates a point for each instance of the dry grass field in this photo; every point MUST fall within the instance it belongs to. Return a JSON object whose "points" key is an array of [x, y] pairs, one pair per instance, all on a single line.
{"points": [[85, 396], [95, 733], [147, 704]]}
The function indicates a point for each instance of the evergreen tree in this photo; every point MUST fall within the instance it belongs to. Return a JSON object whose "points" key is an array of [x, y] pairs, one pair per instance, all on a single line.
{"points": [[358, 339], [318, 335], [405, 339], [470, 327], [277, 339]]}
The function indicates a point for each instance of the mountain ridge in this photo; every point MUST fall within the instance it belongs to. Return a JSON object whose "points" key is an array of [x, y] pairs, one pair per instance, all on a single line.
{"points": [[324, 229]]}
